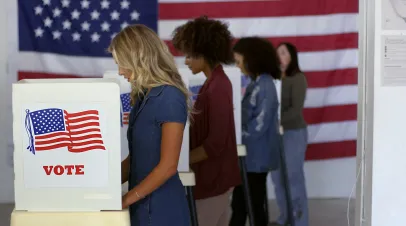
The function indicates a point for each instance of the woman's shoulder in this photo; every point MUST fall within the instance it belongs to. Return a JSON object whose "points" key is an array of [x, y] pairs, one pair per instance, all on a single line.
{"points": [[220, 83], [169, 90], [267, 80], [296, 78]]}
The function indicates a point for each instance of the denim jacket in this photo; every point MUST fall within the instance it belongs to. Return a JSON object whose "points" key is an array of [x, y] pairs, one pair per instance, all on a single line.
{"points": [[260, 125]]}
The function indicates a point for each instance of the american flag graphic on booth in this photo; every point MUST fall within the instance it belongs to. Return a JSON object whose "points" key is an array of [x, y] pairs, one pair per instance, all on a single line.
{"points": [[53, 128], [126, 108]]}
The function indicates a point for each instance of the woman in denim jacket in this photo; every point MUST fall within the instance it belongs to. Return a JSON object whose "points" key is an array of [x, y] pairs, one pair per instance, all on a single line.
{"points": [[257, 59]]}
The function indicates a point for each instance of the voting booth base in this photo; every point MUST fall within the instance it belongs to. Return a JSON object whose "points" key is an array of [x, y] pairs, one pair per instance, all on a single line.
{"points": [[102, 218]]}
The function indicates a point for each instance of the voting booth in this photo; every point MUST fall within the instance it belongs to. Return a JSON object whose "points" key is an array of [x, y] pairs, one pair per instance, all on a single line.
{"points": [[67, 151], [125, 109]]}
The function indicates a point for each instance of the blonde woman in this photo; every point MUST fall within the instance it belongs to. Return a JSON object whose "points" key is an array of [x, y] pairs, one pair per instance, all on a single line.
{"points": [[160, 99]]}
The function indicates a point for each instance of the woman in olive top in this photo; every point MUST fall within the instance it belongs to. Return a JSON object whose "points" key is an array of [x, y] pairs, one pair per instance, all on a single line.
{"points": [[294, 87]]}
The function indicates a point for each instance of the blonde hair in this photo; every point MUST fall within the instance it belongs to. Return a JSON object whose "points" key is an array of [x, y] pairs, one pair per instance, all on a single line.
{"points": [[138, 48]]}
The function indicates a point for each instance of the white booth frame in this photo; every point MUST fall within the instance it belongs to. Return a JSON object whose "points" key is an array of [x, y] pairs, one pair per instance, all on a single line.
{"points": [[366, 46]]}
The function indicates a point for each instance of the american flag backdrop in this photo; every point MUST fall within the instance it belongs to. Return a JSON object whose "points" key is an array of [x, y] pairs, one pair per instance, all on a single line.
{"points": [[125, 108], [53, 128], [68, 38]]}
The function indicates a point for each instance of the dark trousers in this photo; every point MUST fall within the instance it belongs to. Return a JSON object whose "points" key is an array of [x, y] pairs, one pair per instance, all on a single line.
{"points": [[257, 185]]}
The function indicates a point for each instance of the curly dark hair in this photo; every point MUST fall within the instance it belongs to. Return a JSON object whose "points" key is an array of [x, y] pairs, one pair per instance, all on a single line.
{"points": [[203, 37], [260, 56]]}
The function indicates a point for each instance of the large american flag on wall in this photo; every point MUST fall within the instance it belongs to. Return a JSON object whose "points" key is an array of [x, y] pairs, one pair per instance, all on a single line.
{"points": [[68, 38]]}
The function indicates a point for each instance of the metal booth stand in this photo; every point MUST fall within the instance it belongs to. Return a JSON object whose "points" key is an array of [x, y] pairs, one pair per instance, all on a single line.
{"points": [[188, 181]]}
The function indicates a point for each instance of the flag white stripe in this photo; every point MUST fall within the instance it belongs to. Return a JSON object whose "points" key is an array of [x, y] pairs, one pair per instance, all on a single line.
{"points": [[318, 60], [332, 132], [278, 26], [331, 96], [52, 138], [88, 66]]}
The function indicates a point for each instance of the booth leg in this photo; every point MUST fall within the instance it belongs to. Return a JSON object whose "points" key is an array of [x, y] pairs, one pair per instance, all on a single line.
{"points": [[266, 207], [192, 206], [247, 193]]}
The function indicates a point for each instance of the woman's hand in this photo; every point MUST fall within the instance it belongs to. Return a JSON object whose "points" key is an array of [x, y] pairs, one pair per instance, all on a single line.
{"points": [[124, 202]]}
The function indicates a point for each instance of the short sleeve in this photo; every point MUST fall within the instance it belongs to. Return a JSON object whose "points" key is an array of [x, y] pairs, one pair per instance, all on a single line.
{"points": [[172, 106]]}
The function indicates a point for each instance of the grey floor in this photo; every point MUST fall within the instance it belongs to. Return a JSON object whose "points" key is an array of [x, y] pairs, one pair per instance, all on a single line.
{"points": [[323, 212]]}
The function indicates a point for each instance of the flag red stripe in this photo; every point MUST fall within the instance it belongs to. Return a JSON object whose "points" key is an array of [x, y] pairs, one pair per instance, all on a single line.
{"points": [[91, 136], [87, 143], [323, 79], [47, 136], [306, 43], [82, 113], [83, 119], [320, 42], [253, 9], [337, 113], [83, 125], [41, 75], [341, 149], [73, 133], [316, 79], [125, 123], [52, 147], [77, 150], [51, 141]]}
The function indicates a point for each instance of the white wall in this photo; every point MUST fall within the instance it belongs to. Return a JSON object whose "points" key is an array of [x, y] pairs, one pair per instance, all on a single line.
{"points": [[332, 178], [328, 178], [6, 173]]}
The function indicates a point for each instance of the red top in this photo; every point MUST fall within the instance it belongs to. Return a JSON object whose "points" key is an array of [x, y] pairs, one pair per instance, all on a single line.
{"points": [[213, 127]]}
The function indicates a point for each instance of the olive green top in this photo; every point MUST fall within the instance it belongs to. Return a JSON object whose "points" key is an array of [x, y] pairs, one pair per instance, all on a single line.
{"points": [[293, 98]]}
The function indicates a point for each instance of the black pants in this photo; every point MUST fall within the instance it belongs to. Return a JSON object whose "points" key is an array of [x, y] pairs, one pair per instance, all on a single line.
{"points": [[257, 185]]}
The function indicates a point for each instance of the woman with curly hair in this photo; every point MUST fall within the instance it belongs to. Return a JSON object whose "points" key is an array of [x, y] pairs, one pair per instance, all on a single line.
{"points": [[156, 196], [258, 60], [213, 156]]}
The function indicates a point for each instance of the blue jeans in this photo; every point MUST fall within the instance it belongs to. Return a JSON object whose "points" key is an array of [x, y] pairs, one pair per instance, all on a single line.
{"points": [[295, 144]]}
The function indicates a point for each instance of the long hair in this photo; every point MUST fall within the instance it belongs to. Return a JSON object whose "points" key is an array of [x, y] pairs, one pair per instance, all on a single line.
{"points": [[293, 67], [138, 48]]}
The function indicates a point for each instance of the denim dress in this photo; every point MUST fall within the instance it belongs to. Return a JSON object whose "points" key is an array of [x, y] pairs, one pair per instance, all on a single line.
{"points": [[260, 125], [167, 205]]}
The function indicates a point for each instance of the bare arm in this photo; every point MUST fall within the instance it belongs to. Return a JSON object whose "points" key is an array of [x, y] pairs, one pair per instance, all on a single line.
{"points": [[125, 169], [171, 142]]}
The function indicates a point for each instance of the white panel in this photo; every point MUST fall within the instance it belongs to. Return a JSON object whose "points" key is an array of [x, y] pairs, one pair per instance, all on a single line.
{"points": [[382, 200], [6, 154]]}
